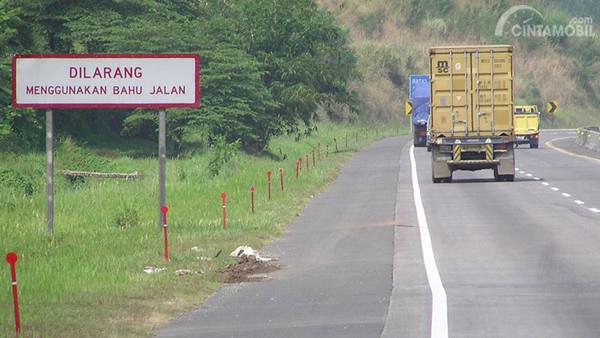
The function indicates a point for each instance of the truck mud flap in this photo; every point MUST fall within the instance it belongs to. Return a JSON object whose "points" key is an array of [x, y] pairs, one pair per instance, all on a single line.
{"points": [[440, 171]]}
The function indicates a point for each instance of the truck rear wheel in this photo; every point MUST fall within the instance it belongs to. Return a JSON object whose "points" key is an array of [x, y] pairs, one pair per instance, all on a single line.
{"points": [[533, 143], [418, 140], [442, 180]]}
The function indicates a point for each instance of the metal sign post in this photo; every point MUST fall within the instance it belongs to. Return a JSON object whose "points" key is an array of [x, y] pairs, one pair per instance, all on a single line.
{"points": [[50, 171], [162, 159]]}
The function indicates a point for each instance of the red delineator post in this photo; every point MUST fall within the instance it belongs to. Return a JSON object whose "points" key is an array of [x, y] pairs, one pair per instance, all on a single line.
{"points": [[252, 198], [269, 174], [164, 209], [346, 140], [367, 133], [281, 177], [327, 151], [12, 258], [319, 151], [297, 168], [307, 165], [356, 138], [224, 203], [300, 159], [314, 160], [336, 146]]}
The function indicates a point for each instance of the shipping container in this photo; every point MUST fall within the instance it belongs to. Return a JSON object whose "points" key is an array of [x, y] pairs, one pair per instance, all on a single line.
{"points": [[471, 107]]}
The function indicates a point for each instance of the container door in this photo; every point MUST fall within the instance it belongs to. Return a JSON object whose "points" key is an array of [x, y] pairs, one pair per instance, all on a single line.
{"points": [[492, 88], [450, 76]]}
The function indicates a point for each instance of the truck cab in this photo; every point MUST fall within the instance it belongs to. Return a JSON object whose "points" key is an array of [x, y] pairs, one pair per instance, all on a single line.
{"points": [[527, 125]]}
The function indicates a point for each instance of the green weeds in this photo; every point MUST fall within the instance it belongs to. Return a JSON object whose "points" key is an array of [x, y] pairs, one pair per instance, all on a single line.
{"points": [[88, 280]]}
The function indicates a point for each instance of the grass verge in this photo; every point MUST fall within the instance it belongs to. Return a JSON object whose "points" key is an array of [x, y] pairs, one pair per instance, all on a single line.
{"points": [[88, 280]]}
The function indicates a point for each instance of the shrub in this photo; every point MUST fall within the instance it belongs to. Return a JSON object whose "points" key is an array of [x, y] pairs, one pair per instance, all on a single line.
{"points": [[222, 153], [128, 218], [17, 182], [70, 156]]}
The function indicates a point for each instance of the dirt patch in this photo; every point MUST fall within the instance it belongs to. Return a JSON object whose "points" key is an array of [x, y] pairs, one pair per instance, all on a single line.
{"points": [[247, 269]]}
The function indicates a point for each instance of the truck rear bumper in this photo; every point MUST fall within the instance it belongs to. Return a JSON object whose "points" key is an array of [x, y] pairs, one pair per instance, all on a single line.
{"points": [[472, 156], [525, 139], [472, 164]]}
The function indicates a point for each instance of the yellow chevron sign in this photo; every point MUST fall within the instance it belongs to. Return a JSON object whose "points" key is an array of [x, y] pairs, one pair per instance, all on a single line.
{"points": [[408, 107], [552, 106]]}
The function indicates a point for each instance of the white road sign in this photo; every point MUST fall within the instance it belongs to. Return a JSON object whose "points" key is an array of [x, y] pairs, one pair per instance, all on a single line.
{"points": [[106, 81]]}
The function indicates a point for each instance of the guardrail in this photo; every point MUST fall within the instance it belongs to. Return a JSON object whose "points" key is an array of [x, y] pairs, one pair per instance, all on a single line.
{"points": [[589, 137]]}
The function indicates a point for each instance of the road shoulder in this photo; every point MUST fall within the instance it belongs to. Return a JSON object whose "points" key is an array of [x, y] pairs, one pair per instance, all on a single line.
{"points": [[410, 304]]}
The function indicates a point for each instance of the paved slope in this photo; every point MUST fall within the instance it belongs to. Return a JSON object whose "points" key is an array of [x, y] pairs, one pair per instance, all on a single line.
{"points": [[338, 264], [518, 259]]}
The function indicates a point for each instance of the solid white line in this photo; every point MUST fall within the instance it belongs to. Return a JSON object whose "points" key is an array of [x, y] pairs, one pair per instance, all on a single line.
{"points": [[557, 130], [566, 195], [439, 306], [555, 188], [594, 210], [578, 202]]}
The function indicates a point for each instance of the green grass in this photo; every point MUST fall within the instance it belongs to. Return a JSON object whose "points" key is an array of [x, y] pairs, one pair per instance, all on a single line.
{"points": [[87, 279]]}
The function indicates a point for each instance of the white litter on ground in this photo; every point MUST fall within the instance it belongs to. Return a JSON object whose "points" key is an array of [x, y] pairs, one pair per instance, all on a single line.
{"points": [[242, 251], [151, 269], [203, 258], [196, 249], [182, 272]]}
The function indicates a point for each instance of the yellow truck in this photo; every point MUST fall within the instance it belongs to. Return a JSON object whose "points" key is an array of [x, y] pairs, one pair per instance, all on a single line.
{"points": [[471, 111], [527, 125]]}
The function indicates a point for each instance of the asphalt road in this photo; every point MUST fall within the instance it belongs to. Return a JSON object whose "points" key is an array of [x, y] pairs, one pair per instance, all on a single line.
{"points": [[515, 259], [337, 259]]}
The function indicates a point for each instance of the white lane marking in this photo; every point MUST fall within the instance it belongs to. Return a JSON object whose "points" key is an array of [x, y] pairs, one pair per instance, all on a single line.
{"points": [[558, 130], [594, 210], [578, 202], [566, 195], [545, 183], [550, 144], [439, 306], [537, 178], [529, 175], [516, 168], [555, 188], [521, 172]]}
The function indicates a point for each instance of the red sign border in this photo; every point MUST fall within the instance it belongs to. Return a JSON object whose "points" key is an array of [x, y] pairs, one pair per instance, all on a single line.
{"points": [[196, 103]]}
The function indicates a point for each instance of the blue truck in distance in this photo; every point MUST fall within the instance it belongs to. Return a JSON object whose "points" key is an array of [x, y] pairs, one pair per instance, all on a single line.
{"points": [[419, 97]]}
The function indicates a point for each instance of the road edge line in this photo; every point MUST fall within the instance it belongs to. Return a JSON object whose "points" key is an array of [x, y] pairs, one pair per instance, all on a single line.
{"points": [[439, 306], [550, 145], [558, 130]]}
